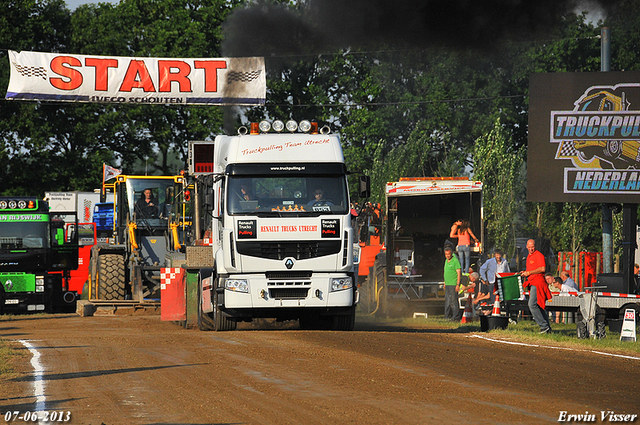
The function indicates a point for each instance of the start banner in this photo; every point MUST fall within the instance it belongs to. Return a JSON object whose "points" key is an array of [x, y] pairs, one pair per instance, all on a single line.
{"points": [[136, 80]]}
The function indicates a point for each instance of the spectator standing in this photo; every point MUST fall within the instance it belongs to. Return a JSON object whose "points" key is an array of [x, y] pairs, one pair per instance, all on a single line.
{"points": [[497, 264], [452, 276], [462, 231], [538, 289], [568, 281]]}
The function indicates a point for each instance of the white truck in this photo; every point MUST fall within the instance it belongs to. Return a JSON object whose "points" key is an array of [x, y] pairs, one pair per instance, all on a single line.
{"points": [[82, 203], [275, 209]]}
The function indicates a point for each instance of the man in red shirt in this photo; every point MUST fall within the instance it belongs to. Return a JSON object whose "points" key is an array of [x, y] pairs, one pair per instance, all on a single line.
{"points": [[538, 289]]}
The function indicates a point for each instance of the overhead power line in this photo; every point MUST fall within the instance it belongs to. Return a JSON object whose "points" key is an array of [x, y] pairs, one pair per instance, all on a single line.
{"points": [[413, 102]]}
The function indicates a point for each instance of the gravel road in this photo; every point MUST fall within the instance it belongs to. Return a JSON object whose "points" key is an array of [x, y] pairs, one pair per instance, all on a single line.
{"points": [[139, 370]]}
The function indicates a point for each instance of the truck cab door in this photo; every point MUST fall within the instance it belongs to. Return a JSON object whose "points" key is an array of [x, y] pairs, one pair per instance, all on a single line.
{"points": [[64, 247]]}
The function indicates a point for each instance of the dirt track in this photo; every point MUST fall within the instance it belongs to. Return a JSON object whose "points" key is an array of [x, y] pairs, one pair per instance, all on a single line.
{"points": [[139, 370]]}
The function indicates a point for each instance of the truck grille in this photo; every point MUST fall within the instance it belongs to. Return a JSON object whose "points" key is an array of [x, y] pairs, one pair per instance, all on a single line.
{"points": [[282, 250], [288, 293], [275, 275]]}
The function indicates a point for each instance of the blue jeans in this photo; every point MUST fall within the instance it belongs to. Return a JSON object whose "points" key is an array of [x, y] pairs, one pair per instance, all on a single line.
{"points": [[464, 255], [539, 315]]}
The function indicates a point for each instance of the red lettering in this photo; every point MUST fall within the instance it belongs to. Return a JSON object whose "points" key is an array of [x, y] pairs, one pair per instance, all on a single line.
{"points": [[210, 73], [102, 71], [137, 76], [166, 76], [74, 76]]}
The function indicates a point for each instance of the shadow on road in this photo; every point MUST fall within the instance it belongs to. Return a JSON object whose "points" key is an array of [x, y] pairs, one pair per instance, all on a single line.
{"points": [[93, 373]]}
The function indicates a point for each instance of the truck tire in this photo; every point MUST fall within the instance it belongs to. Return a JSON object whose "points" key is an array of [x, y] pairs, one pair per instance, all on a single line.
{"points": [[344, 322], [205, 320], [222, 321], [111, 277], [216, 320]]}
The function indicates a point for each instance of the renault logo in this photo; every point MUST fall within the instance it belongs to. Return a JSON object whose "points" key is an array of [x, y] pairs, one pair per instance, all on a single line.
{"points": [[289, 262], [9, 284]]}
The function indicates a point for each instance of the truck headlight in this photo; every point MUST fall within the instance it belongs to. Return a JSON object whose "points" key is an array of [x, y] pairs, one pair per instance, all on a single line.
{"points": [[341, 283], [39, 280], [237, 285]]}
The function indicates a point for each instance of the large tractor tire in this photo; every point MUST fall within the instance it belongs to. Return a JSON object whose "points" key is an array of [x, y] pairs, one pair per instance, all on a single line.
{"points": [[111, 277]]}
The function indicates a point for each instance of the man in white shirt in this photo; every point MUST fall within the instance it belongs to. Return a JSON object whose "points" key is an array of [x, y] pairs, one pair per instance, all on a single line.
{"points": [[568, 281]]}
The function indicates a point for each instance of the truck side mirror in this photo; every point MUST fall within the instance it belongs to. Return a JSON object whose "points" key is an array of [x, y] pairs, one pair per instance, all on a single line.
{"points": [[216, 201], [365, 186]]}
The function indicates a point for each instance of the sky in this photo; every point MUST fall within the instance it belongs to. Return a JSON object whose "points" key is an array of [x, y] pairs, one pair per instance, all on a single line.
{"points": [[72, 4]]}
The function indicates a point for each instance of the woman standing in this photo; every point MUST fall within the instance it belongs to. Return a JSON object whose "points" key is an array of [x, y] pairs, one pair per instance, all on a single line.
{"points": [[461, 229]]}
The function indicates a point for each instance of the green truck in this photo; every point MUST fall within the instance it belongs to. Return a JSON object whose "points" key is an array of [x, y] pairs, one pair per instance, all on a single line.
{"points": [[38, 249]]}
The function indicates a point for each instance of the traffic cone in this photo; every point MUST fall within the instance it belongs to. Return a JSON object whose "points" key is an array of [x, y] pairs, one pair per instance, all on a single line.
{"points": [[467, 317], [496, 306]]}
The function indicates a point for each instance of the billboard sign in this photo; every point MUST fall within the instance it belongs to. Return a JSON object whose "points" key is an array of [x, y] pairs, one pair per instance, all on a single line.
{"points": [[584, 137]]}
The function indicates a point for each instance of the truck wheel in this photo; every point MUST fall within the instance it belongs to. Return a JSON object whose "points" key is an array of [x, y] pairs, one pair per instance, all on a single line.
{"points": [[205, 320], [222, 322], [111, 280], [345, 322]]}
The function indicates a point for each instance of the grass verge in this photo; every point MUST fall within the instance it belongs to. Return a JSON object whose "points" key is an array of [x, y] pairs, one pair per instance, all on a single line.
{"points": [[525, 331]]}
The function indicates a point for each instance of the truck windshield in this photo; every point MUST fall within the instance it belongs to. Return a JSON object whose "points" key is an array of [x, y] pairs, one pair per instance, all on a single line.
{"points": [[23, 235], [150, 199], [300, 194]]}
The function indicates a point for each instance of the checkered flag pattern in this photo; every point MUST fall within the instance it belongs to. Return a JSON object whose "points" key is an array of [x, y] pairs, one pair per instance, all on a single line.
{"points": [[168, 275], [31, 71], [566, 149], [244, 77]]}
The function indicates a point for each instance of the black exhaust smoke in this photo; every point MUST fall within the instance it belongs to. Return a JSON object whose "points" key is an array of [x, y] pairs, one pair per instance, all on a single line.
{"points": [[321, 26]]}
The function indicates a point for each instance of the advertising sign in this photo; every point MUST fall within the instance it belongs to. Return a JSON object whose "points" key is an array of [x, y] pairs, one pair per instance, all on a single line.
{"points": [[101, 79], [584, 137]]}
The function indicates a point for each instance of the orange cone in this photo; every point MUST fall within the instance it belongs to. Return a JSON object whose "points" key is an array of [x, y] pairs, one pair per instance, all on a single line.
{"points": [[467, 317], [496, 306]]}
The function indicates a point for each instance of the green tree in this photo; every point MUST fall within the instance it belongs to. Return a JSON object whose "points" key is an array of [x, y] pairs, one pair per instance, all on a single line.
{"points": [[499, 166]]}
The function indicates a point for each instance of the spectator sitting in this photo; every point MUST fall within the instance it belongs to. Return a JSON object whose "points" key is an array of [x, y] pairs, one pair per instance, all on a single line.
{"points": [[563, 287], [568, 281], [485, 298], [548, 277]]}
